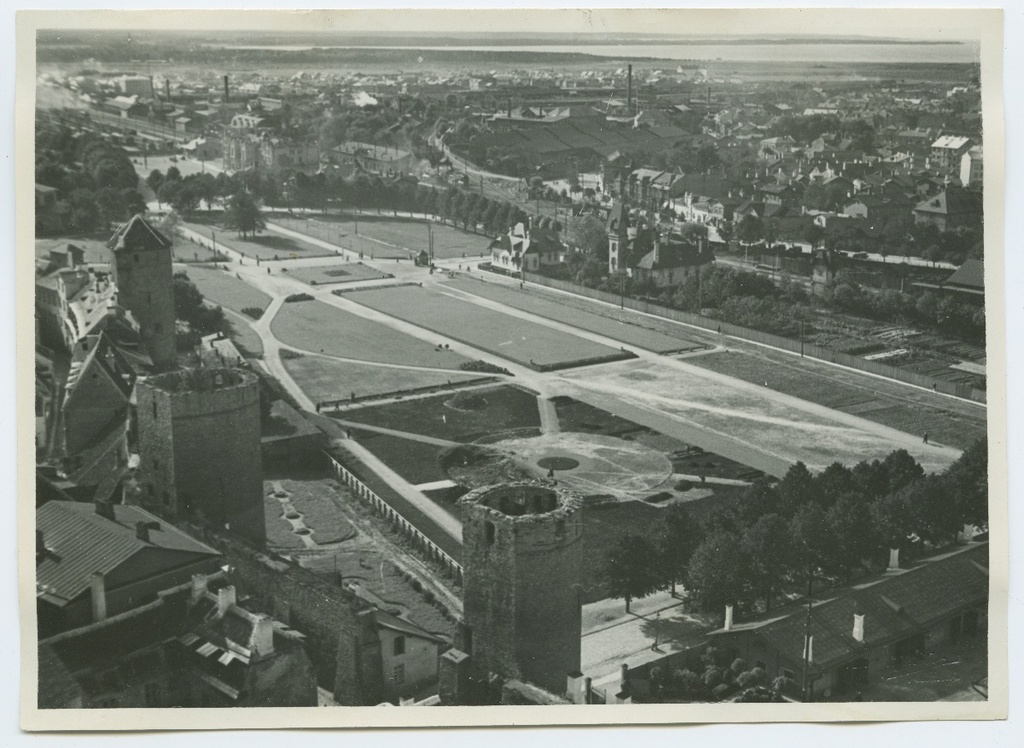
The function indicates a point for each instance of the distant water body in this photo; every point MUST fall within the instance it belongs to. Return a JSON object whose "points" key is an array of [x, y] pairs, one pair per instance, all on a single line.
{"points": [[793, 52]]}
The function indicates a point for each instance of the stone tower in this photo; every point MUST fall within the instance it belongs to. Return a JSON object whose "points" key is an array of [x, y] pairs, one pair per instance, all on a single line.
{"points": [[522, 568], [618, 237], [141, 267], [199, 446]]}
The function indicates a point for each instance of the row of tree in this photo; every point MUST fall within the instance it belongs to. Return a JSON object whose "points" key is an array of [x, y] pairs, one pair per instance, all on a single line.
{"points": [[95, 181], [826, 527]]}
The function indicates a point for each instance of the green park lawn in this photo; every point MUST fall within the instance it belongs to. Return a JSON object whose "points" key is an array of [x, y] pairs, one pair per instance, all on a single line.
{"points": [[415, 461], [265, 246], [942, 426], [349, 272], [316, 326], [502, 334], [493, 411], [388, 236], [223, 288], [242, 335], [601, 324], [325, 380]]}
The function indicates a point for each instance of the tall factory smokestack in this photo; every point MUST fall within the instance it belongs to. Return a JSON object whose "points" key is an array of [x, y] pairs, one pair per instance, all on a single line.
{"points": [[226, 92], [629, 90]]}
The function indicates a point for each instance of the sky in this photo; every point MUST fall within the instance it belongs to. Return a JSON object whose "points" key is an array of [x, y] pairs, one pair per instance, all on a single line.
{"points": [[909, 24]]}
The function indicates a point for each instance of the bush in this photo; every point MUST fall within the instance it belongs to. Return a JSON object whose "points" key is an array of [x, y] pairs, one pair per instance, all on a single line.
{"points": [[484, 367], [299, 297], [720, 691], [712, 677], [253, 311], [288, 354]]}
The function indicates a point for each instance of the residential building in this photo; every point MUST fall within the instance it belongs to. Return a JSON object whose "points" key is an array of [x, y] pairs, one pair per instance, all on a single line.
{"points": [[98, 560], [972, 167], [409, 657], [97, 393], [377, 159], [948, 150], [953, 208], [195, 645], [527, 248], [872, 629]]}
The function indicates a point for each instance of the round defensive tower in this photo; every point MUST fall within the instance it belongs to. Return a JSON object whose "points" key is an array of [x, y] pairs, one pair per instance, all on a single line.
{"points": [[522, 555], [199, 446]]}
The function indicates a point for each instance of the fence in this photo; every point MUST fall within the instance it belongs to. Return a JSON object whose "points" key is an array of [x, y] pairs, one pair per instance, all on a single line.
{"points": [[888, 371], [364, 492]]}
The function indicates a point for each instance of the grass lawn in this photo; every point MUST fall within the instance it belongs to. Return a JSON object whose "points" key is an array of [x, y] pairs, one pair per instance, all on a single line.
{"points": [[912, 417], [494, 410], [526, 343], [324, 380], [316, 326], [242, 335], [448, 499], [415, 461], [548, 308], [321, 275], [574, 415], [279, 530], [320, 514], [223, 288], [265, 246], [389, 236]]}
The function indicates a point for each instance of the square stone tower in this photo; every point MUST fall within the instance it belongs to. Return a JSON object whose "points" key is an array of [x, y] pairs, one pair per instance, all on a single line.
{"points": [[141, 267]]}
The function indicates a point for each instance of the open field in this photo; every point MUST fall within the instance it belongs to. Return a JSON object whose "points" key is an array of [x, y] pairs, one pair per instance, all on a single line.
{"points": [[824, 388], [413, 460], [321, 275], [456, 417], [265, 246], [406, 235], [524, 342], [316, 326], [242, 335], [630, 334], [221, 287], [750, 424], [325, 380]]}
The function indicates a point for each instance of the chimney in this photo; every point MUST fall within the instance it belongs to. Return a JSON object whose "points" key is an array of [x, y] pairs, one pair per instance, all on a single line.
{"points": [[167, 88], [588, 690], [454, 678], [657, 246], [894, 558], [98, 593], [105, 509], [225, 599], [858, 627], [510, 107], [198, 588], [262, 642], [142, 530], [227, 93], [624, 677], [629, 89], [574, 688]]}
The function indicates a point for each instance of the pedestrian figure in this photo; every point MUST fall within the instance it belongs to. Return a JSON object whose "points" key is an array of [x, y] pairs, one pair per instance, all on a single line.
{"points": [[318, 407], [551, 473], [703, 479], [268, 271], [353, 397], [444, 419], [925, 437]]}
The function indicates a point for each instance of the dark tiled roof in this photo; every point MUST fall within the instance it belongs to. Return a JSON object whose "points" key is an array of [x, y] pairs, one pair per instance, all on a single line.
{"points": [[896, 606], [970, 274], [81, 542], [137, 234]]}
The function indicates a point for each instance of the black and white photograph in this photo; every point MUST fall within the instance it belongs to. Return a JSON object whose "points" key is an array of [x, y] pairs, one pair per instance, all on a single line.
{"points": [[649, 359]]}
